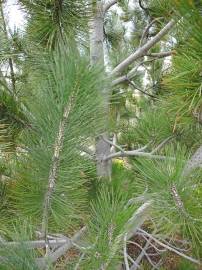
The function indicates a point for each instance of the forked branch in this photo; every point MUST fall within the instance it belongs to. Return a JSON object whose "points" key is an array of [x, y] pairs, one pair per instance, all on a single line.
{"points": [[142, 50]]}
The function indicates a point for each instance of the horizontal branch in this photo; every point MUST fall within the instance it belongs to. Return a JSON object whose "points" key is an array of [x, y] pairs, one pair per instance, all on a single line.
{"points": [[143, 50], [161, 54], [108, 5], [135, 153], [36, 244]]}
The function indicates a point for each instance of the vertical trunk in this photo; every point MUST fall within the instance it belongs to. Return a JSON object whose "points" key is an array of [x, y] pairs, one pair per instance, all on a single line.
{"points": [[97, 58]]}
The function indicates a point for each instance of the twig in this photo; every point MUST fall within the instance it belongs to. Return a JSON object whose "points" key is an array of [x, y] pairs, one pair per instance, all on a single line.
{"points": [[141, 255], [147, 29], [80, 259], [113, 144], [161, 54], [142, 91], [170, 248], [125, 253], [141, 5], [162, 144], [138, 218]]}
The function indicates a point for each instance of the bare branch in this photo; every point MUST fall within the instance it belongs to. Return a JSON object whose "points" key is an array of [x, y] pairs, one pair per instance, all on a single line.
{"points": [[141, 255], [138, 218], [61, 250], [162, 144], [131, 73], [161, 54], [113, 144], [141, 5], [125, 253], [142, 91], [143, 50], [108, 5], [135, 153], [169, 248], [147, 29], [37, 243]]}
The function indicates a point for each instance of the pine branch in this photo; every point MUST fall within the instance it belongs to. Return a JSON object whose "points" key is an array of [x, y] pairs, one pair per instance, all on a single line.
{"points": [[53, 257], [162, 144], [136, 153], [138, 218], [131, 73], [113, 144], [143, 50], [55, 163], [36, 244], [161, 54]]}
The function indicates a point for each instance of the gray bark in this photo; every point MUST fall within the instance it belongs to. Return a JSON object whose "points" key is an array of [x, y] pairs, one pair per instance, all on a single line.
{"points": [[97, 58], [142, 50]]}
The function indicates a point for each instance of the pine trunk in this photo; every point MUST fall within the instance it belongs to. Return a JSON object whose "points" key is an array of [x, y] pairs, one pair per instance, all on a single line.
{"points": [[97, 58]]}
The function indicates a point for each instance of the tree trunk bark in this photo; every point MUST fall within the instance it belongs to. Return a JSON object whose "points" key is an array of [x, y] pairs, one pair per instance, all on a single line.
{"points": [[96, 59]]}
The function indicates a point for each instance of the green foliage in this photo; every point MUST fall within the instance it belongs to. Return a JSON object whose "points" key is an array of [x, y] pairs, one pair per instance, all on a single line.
{"points": [[184, 265], [50, 20], [107, 227], [19, 256], [68, 77], [160, 8], [172, 192], [57, 109]]}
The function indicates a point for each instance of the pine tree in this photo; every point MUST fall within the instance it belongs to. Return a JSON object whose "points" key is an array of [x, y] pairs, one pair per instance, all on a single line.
{"points": [[100, 135]]}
